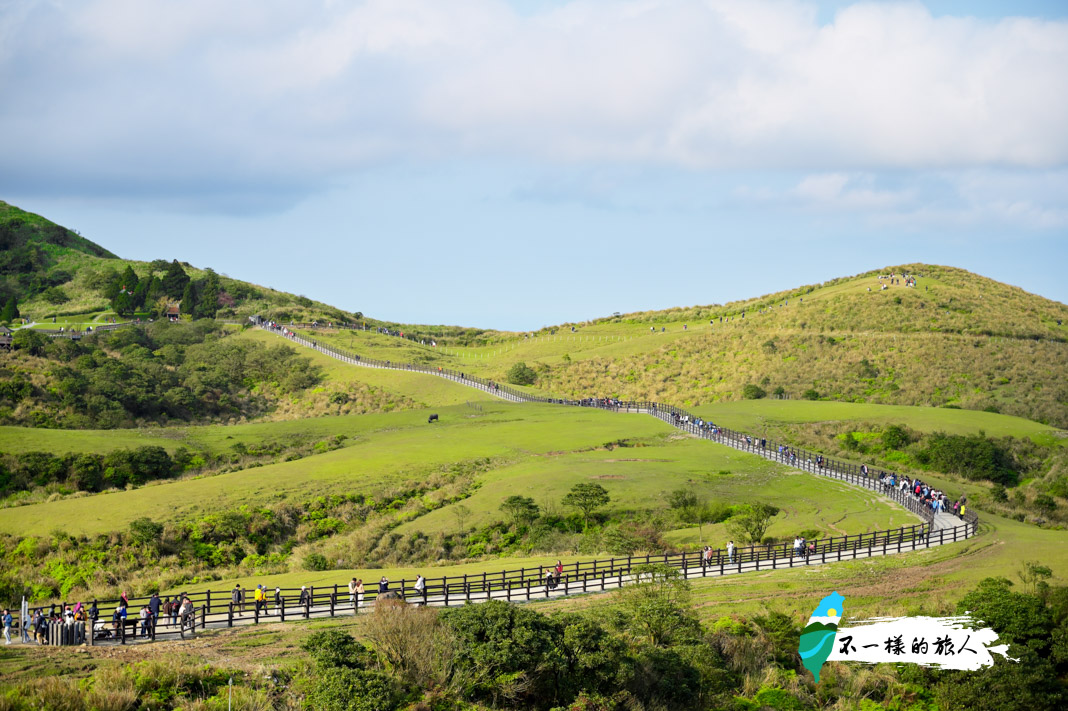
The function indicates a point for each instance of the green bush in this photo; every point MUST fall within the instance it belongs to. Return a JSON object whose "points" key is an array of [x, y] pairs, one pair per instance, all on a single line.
{"points": [[521, 374], [335, 649], [896, 437], [316, 562], [810, 394], [346, 689], [753, 392]]}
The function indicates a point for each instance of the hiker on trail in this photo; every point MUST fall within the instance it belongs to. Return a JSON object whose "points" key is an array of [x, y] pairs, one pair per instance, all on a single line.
{"points": [[305, 597], [359, 593], [237, 599], [153, 606], [708, 556], [559, 571], [93, 614], [277, 599], [7, 626], [186, 611], [420, 587], [550, 581], [383, 585], [352, 591], [168, 609], [730, 551], [119, 616], [260, 596], [176, 607], [146, 616]]}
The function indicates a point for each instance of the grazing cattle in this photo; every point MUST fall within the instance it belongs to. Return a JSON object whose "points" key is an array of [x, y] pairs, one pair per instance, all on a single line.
{"points": [[432, 418]]}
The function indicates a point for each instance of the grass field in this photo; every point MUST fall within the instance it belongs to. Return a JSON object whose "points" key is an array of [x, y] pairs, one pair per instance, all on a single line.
{"points": [[424, 391], [752, 416], [385, 449]]}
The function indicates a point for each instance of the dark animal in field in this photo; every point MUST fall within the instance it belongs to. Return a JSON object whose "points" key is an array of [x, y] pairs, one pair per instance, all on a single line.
{"points": [[432, 418]]}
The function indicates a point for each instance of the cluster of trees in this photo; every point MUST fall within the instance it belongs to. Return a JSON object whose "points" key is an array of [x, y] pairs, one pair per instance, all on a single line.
{"points": [[130, 294], [973, 456], [166, 371], [646, 648], [89, 472]]}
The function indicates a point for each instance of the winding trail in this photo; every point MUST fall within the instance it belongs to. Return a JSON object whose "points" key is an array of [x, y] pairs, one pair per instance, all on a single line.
{"points": [[213, 609]]}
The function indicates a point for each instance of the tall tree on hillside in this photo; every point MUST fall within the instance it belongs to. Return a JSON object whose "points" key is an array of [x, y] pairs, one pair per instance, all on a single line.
{"points": [[587, 498], [175, 280], [189, 299], [209, 295], [129, 280], [11, 310]]}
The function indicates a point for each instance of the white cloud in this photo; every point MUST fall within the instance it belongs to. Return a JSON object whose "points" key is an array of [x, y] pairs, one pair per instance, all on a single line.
{"points": [[179, 95]]}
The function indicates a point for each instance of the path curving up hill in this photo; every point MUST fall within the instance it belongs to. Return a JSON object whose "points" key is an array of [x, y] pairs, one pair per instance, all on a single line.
{"points": [[213, 609]]}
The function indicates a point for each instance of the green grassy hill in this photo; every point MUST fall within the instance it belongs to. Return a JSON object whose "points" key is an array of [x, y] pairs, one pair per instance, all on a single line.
{"points": [[955, 339], [55, 272]]}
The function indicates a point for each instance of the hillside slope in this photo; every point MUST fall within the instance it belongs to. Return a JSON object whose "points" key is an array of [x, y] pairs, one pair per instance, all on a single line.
{"points": [[54, 272], [954, 339]]}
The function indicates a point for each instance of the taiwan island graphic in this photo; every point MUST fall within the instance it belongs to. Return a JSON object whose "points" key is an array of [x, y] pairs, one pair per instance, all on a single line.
{"points": [[817, 639]]}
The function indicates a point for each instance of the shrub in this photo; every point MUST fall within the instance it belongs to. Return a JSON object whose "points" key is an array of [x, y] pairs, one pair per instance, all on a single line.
{"points": [[335, 649], [753, 392], [810, 394], [316, 562], [345, 689], [895, 437], [521, 374]]}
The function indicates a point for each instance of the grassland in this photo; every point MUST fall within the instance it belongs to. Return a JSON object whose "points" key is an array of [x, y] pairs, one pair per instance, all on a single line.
{"points": [[754, 416]]}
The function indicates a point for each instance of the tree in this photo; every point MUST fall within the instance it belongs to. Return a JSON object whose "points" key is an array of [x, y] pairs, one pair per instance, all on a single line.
{"points": [[520, 509], [656, 607], [461, 513], [682, 499], [26, 339], [587, 498], [810, 394], [189, 299], [174, 280], [11, 310], [521, 374], [209, 296], [752, 522]]}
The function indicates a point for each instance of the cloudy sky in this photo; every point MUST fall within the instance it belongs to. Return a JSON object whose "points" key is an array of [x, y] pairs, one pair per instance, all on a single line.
{"points": [[516, 164]]}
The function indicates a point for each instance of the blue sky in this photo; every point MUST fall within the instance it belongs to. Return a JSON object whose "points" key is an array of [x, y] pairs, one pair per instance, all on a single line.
{"points": [[516, 165]]}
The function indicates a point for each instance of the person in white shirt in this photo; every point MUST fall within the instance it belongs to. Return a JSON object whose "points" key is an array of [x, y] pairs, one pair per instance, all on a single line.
{"points": [[420, 587]]}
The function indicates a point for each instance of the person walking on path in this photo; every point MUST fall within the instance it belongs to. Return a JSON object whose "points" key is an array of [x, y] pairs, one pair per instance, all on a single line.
{"points": [[359, 593], [7, 626], [277, 600], [383, 585], [305, 597], [730, 551], [153, 607], [176, 608], [559, 572], [352, 592], [420, 588], [550, 581], [237, 598]]}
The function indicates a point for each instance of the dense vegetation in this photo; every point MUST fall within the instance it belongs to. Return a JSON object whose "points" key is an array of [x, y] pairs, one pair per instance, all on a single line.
{"points": [[158, 373], [29, 245], [643, 647]]}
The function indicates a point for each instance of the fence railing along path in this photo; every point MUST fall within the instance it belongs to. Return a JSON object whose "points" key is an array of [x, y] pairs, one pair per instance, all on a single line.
{"points": [[215, 609]]}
